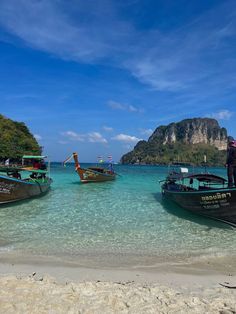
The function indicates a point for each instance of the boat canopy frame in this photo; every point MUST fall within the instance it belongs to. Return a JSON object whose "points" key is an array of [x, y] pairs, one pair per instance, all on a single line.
{"points": [[36, 170], [201, 177], [33, 157]]}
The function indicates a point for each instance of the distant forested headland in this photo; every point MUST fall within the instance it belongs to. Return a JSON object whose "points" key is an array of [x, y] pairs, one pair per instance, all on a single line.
{"points": [[16, 139], [188, 141]]}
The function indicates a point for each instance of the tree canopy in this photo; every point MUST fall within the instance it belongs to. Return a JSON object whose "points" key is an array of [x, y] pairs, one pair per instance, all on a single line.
{"points": [[164, 154], [16, 139]]}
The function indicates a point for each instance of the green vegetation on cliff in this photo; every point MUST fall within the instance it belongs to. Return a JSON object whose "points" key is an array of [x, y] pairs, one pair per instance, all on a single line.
{"points": [[164, 154], [16, 139], [188, 140]]}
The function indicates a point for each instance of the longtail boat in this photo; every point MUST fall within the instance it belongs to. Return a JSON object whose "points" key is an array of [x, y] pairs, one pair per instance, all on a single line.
{"points": [[204, 194], [23, 182], [93, 174]]}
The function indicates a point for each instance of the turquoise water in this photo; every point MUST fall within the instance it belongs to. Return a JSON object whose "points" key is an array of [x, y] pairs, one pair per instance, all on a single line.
{"points": [[117, 221]]}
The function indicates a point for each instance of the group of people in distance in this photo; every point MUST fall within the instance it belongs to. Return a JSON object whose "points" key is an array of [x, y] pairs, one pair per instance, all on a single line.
{"points": [[231, 163]]}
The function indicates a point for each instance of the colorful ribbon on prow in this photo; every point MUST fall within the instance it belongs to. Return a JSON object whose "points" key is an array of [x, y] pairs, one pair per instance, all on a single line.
{"points": [[75, 156], [67, 160]]}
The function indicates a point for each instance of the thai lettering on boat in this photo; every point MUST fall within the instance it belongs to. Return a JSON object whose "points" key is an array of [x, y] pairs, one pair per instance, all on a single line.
{"points": [[217, 196], [6, 188]]}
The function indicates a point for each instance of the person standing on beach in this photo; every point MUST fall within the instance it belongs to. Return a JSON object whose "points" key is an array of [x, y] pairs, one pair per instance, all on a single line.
{"points": [[231, 163]]}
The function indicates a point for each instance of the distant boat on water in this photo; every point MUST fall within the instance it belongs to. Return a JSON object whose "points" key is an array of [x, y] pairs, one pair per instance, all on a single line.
{"points": [[201, 193], [93, 174], [14, 188]]}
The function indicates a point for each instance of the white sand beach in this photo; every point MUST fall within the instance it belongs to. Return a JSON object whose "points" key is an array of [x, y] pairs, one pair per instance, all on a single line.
{"points": [[56, 289]]}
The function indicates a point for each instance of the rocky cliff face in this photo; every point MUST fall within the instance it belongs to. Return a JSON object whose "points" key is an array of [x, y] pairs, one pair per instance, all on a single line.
{"points": [[188, 138], [192, 131]]}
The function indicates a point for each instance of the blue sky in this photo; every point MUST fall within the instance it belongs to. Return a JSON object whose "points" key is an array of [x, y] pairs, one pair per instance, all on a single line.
{"points": [[97, 76]]}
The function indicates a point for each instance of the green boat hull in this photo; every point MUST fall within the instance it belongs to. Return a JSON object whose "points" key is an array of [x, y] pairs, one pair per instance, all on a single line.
{"points": [[13, 190]]}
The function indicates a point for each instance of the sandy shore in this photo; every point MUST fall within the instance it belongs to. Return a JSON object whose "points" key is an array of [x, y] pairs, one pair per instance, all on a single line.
{"points": [[57, 289], [44, 295]]}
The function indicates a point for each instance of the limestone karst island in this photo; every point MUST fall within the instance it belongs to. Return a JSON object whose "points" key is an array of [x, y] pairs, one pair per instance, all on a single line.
{"points": [[187, 141]]}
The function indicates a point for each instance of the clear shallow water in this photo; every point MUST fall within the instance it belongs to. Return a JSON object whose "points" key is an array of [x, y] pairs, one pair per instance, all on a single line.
{"points": [[112, 220]]}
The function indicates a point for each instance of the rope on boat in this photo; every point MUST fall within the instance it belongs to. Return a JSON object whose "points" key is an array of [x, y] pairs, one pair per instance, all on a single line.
{"points": [[41, 191]]}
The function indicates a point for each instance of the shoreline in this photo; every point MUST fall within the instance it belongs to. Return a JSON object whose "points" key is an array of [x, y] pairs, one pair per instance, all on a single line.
{"points": [[206, 271], [189, 277], [215, 263]]}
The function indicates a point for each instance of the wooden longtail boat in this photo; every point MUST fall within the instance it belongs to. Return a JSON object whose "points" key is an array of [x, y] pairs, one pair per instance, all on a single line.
{"points": [[93, 174], [201, 193], [13, 188]]}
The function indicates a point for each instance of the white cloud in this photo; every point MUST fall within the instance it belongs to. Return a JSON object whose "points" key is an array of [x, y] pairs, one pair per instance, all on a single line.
{"points": [[182, 59], [96, 137], [128, 146], [115, 105], [92, 137], [146, 131], [132, 108], [173, 60], [222, 115], [71, 135], [37, 137], [60, 28], [107, 128], [126, 138], [118, 106]]}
